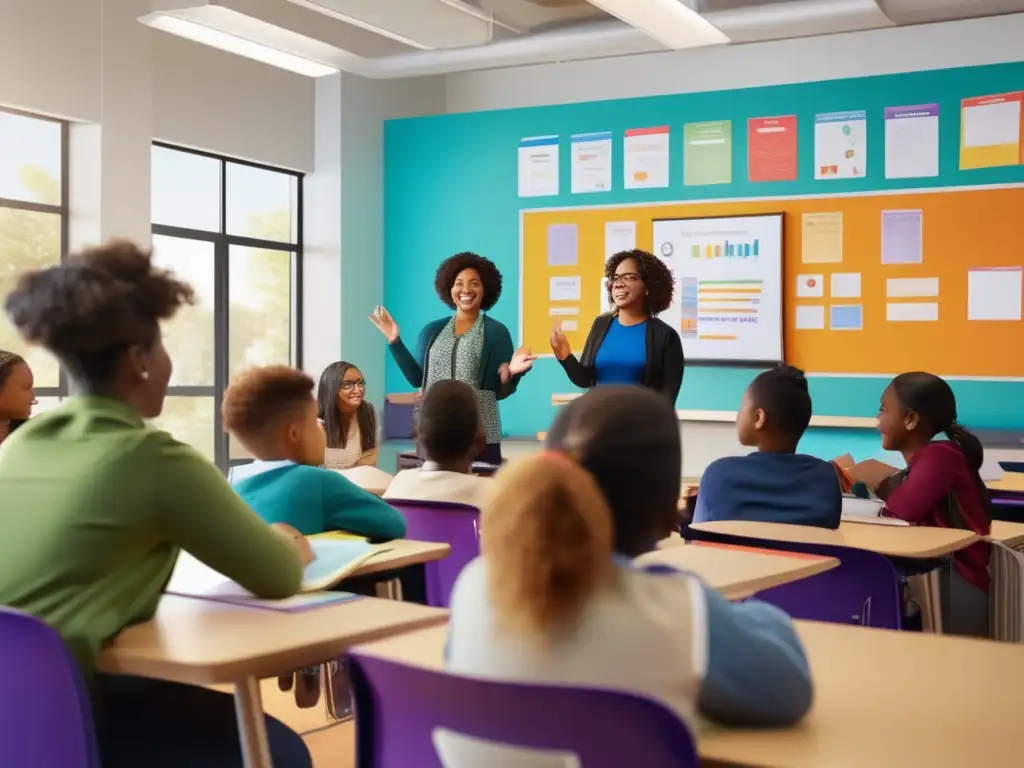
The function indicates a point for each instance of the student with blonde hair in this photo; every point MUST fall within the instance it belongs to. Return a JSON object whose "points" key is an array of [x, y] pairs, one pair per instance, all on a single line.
{"points": [[556, 595]]}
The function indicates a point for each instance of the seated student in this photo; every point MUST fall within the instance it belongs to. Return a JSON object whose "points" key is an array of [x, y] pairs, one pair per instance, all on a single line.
{"points": [[349, 421], [775, 484], [941, 486], [272, 412], [450, 436], [556, 598], [17, 394], [96, 506]]}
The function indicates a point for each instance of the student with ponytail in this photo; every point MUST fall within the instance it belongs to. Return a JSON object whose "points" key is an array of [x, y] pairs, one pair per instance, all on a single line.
{"points": [[556, 596], [941, 485]]}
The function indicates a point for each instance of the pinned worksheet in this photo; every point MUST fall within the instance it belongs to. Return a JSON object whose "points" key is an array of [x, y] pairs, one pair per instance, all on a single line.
{"points": [[564, 289], [563, 245], [645, 157], [538, 166], [990, 134], [810, 286], [619, 236], [707, 153], [912, 141], [845, 285], [810, 317], [995, 293], [902, 237], [822, 238], [591, 162], [841, 145]]}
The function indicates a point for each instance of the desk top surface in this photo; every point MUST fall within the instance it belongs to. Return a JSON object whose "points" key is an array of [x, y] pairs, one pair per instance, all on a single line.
{"points": [[403, 553], [203, 642], [911, 541], [881, 698]]}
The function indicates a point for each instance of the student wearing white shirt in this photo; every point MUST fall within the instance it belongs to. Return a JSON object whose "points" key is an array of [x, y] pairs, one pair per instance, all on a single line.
{"points": [[450, 436], [556, 597]]}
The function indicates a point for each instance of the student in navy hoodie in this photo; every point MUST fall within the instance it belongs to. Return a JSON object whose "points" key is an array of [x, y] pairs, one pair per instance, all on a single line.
{"points": [[775, 484]]}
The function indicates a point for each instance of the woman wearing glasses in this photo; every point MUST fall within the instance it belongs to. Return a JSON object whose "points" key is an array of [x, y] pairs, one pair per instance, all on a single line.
{"points": [[629, 345], [350, 422]]}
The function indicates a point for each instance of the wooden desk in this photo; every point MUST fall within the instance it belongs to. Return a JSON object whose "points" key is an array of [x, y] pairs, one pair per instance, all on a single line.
{"points": [[881, 698], [1012, 482], [403, 553], [202, 642], [1010, 534], [738, 572]]}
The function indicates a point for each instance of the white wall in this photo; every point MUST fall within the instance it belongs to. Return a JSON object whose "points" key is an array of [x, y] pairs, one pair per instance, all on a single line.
{"points": [[905, 49]]}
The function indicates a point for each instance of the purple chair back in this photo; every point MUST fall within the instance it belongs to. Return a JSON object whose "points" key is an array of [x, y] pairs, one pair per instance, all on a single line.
{"points": [[45, 713], [398, 707], [457, 525], [863, 590]]}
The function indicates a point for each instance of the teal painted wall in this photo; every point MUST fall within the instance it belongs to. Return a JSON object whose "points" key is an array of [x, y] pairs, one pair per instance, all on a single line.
{"points": [[451, 185]]}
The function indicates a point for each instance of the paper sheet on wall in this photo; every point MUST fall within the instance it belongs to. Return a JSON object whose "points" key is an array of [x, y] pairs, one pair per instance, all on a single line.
{"points": [[822, 238], [564, 289], [771, 148], [645, 157], [707, 153], [810, 286], [912, 312], [912, 141], [619, 236], [902, 236], [810, 317], [591, 162], [846, 317], [841, 145], [563, 245], [990, 133], [911, 287], [538, 166], [994, 294], [845, 285]]}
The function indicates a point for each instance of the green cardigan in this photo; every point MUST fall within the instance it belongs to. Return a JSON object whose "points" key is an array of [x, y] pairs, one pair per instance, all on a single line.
{"points": [[498, 349]]}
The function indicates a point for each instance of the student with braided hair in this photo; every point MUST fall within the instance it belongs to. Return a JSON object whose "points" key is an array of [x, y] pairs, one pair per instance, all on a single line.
{"points": [[17, 395]]}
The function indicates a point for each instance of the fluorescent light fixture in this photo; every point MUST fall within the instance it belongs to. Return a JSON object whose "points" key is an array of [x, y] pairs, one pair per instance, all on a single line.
{"points": [[225, 41], [671, 22]]}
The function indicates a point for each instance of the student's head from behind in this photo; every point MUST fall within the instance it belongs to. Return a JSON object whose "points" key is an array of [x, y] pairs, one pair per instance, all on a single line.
{"points": [[17, 395], [99, 313], [272, 412], [775, 411], [640, 281], [341, 396], [918, 406], [449, 430], [608, 483], [468, 282]]}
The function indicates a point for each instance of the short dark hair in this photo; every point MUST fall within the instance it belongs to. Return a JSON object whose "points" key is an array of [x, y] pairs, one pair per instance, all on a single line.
{"points": [[627, 438], [653, 271], [452, 266], [91, 309], [263, 396], [336, 424], [448, 423], [782, 393]]}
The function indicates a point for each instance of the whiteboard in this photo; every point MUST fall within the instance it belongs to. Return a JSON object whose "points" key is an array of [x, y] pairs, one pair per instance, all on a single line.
{"points": [[727, 305]]}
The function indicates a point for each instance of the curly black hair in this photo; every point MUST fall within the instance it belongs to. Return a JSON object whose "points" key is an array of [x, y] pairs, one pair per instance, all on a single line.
{"points": [[656, 275], [450, 268]]}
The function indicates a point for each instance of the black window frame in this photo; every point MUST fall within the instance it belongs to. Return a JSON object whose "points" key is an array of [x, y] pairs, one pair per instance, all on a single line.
{"points": [[223, 242]]}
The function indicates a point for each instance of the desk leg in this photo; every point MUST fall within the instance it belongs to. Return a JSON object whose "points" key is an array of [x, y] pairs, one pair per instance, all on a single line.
{"points": [[252, 725]]}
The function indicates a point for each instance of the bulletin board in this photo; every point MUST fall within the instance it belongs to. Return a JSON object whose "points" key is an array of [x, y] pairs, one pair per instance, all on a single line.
{"points": [[963, 229]]}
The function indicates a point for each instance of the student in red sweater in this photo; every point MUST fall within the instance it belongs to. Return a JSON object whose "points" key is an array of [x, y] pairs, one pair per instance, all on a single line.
{"points": [[941, 486]]}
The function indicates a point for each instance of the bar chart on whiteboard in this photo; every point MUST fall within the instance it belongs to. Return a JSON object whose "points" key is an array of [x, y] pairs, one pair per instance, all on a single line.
{"points": [[727, 304]]}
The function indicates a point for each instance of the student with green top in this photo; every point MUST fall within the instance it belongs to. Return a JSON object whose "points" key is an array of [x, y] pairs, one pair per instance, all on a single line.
{"points": [[96, 506], [272, 412]]}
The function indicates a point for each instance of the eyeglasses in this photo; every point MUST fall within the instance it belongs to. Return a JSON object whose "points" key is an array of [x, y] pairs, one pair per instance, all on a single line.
{"points": [[626, 277], [348, 386]]}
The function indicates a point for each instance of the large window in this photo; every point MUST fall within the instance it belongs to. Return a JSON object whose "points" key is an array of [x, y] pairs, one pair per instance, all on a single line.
{"points": [[233, 230], [33, 224]]}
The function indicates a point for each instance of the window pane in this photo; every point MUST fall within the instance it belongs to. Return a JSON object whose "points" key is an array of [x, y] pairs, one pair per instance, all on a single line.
{"points": [[185, 189], [190, 420], [28, 240], [189, 335], [30, 159], [260, 312], [261, 203], [45, 404]]}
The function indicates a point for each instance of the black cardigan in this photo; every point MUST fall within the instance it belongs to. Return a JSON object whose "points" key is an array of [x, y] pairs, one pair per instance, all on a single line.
{"points": [[663, 371]]}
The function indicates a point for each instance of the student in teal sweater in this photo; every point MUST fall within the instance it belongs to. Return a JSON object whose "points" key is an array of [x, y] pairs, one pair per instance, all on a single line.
{"points": [[272, 412]]}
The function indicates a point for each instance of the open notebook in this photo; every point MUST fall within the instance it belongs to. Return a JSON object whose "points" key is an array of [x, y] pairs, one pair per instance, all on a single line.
{"points": [[336, 559], [857, 510]]}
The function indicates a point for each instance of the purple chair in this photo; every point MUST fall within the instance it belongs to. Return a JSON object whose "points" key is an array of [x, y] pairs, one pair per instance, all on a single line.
{"points": [[45, 714], [457, 525], [398, 707], [863, 590]]}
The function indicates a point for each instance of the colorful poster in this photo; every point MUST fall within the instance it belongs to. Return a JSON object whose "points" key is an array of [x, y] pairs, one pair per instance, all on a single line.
{"points": [[645, 157], [707, 153], [902, 236], [841, 145], [912, 142], [990, 131], [538, 166], [821, 238], [771, 148], [591, 162]]}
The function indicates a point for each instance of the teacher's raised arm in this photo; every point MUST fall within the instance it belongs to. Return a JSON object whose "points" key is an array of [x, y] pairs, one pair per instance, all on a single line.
{"points": [[468, 346], [629, 345]]}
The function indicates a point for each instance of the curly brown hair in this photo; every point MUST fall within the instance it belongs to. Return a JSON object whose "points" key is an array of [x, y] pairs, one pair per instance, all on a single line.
{"points": [[452, 266], [262, 396], [96, 305], [653, 271]]}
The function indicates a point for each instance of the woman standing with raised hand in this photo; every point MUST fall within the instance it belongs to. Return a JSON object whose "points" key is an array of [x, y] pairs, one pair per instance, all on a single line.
{"points": [[469, 346], [629, 345]]}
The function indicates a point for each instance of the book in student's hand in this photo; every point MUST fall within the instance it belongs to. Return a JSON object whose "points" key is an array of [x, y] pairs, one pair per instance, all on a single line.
{"points": [[334, 561]]}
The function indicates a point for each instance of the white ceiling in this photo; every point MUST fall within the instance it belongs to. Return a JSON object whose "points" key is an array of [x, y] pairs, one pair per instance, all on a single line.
{"points": [[424, 37]]}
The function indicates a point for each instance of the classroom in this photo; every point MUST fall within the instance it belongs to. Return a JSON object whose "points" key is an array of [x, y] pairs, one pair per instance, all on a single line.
{"points": [[320, 331]]}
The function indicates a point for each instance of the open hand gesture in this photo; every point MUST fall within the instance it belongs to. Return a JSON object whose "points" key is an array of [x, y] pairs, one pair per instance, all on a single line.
{"points": [[385, 323], [559, 343], [521, 362]]}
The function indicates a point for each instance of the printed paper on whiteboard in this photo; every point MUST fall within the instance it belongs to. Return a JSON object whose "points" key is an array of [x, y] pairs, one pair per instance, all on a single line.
{"points": [[564, 289]]}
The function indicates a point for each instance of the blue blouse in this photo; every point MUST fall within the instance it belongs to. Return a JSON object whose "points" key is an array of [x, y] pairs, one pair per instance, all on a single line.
{"points": [[622, 356]]}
